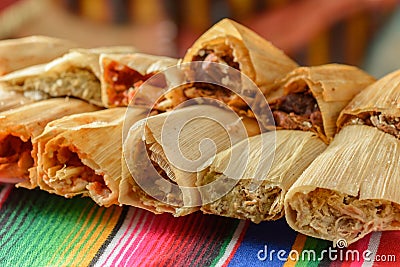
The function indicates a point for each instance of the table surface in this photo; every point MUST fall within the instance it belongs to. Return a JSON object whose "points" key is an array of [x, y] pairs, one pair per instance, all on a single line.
{"points": [[40, 229]]}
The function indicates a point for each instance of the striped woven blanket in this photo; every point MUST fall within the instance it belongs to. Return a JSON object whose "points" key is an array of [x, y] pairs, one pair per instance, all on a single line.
{"points": [[39, 229]]}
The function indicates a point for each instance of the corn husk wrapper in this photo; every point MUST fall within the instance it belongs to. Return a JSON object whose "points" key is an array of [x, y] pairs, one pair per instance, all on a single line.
{"points": [[20, 125], [351, 189], [382, 97], [332, 85], [75, 74], [262, 174], [257, 58], [158, 134], [122, 74], [20, 53], [81, 155], [10, 100]]}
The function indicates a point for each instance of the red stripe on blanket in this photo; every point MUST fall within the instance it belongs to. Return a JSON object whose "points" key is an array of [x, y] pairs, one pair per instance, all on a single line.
{"points": [[172, 242], [389, 248], [139, 243], [360, 246], [165, 236], [190, 244], [163, 240]]}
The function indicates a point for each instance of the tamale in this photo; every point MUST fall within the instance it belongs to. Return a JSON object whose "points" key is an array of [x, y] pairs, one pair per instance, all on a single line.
{"points": [[251, 178], [81, 155], [351, 189], [164, 153], [75, 74], [20, 125], [121, 75], [230, 43], [311, 98], [20, 53]]}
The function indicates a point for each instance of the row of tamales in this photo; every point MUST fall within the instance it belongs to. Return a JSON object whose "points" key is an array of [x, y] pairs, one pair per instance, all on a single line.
{"points": [[76, 74], [65, 165], [169, 150], [20, 119], [81, 73], [105, 76], [311, 98], [227, 43], [81, 154], [305, 106], [326, 90], [351, 189]]}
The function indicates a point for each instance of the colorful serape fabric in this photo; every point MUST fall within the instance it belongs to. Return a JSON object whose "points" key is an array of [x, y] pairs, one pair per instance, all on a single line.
{"points": [[39, 229]]}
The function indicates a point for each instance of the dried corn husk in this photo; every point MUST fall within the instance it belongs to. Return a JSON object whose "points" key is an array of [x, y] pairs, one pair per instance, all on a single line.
{"points": [[257, 58], [81, 155], [351, 189], [20, 125], [9, 100], [121, 74], [75, 74], [260, 171], [20, 53], [332, 86], [166, 139], [381, 97]]}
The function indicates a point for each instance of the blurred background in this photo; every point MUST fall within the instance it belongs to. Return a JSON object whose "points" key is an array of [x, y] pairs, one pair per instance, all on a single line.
{"points": [[365, 33]]}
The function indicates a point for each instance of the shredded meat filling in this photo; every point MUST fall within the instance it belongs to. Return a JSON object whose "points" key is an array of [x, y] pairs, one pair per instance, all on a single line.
{"points": [[264, 203], [214, 73], [338, 215], [297, 111], [15, 157], [123, 83], [209, 55], [204, 91], [80, 83], [387, 124], [68, 175], [210, 90]]}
